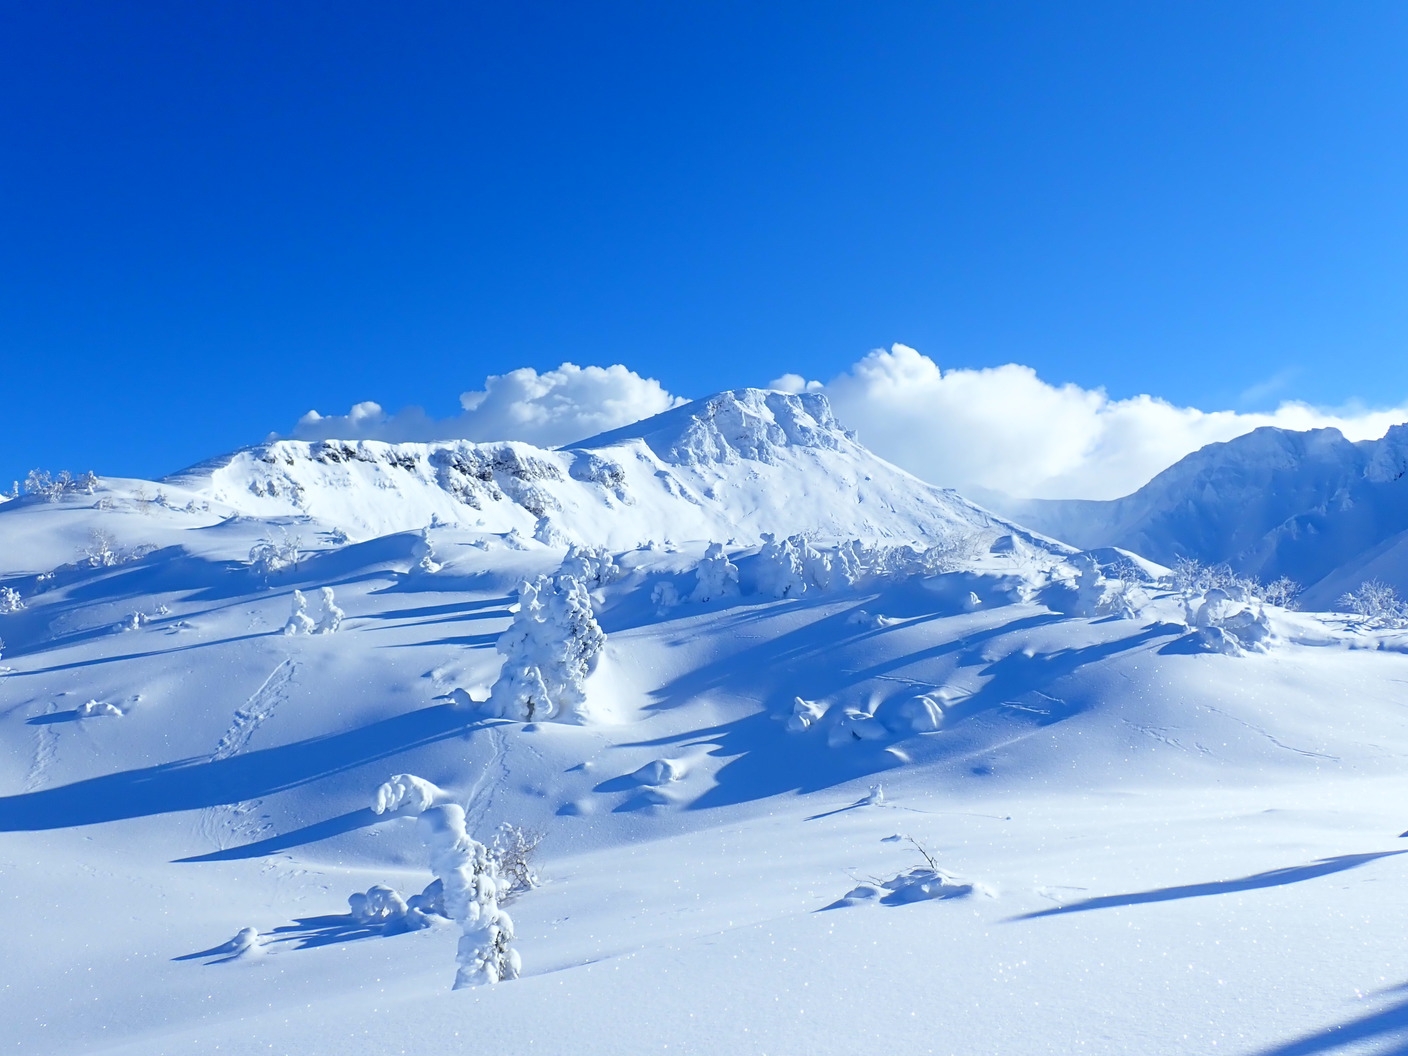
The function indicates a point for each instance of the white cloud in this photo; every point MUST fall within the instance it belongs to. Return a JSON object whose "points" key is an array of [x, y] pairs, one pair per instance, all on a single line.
{"points": [[1006, 429], [548, 409], [1000, 428]]}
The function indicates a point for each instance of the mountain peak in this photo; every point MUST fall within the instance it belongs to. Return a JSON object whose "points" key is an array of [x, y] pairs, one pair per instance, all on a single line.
{"points": [[736, 425]]}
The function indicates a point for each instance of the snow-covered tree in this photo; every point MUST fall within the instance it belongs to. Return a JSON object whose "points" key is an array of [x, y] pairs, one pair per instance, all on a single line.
{"points": [[471, 888], [330, 617], [551, 647], [423, 553], [10, 600], [415, 794], [716, 576], [780, 568], [299, 622], [593, 565]]}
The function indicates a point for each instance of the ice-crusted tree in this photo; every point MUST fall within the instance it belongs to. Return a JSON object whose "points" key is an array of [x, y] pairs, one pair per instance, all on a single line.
{"points": [[299, 622], [1377, 603], [716, 576], [781, 571], [330, 616], [551, 647], [594, 566], [471, 890]]}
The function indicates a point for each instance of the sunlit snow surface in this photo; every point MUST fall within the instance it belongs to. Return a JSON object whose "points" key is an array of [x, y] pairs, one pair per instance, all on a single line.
{"points": [[1137, 846]]}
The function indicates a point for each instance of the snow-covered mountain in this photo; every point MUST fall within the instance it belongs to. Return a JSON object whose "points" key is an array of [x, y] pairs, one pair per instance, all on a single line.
{"points": [[1313, 506], [733, 466], [919, 782]]}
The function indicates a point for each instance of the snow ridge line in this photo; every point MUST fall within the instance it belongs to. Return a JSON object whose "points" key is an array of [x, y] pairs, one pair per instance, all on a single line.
{"points": [[256, 710]]}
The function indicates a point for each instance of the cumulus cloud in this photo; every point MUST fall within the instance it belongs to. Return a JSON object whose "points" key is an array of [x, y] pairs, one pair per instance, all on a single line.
{"points": [[1005, 429], [549, 409]]}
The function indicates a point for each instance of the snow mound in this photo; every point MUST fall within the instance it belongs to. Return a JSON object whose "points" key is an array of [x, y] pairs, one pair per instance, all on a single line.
{"points": [[921, 884]]}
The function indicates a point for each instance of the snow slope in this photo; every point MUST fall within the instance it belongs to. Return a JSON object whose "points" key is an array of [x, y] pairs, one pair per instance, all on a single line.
{"points": [[938, 805], [1309, 505]]}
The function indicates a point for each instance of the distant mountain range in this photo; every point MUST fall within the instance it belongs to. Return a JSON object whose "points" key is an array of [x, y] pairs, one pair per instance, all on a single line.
{"points": [[1313, 506]]}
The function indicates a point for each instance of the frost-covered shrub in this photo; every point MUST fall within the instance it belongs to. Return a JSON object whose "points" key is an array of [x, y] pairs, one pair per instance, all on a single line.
{"points": [[10, 600], [471, 888], [551, 647], [1377, 603], [52, 488], [299, 622], [512, 850], [716, 576], [1282, 591], [99, 552], [270, 556]]}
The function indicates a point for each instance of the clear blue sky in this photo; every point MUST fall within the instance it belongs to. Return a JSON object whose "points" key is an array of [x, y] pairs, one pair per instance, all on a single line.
{"points": [[216, 215]]}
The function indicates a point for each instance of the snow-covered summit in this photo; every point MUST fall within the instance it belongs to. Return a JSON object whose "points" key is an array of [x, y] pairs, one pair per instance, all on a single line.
{"points": [[732, 466], [752, 424]]}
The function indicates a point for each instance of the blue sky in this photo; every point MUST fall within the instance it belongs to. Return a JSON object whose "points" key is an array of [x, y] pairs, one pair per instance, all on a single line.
{"points": [[216, 216]]}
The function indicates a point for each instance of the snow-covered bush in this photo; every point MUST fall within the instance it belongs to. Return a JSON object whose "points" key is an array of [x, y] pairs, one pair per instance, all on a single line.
{"points": [[1377, 603], [716, 576], [379, 904], [1230, 625], [299, 622], [1098, 596], [95, 709], [512, 850], [416, 794], [270, 555], [1282, 592], [805, 714], [99, 552], [471, 888], [551, 647], [665, 596], [10, 600], [592, 565]]}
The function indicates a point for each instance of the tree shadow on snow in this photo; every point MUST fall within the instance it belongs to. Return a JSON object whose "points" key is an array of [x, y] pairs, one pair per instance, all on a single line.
{"points": [[191, 784], [1271, 878], [321, 830], [1388, 1026], [765, 760]]}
